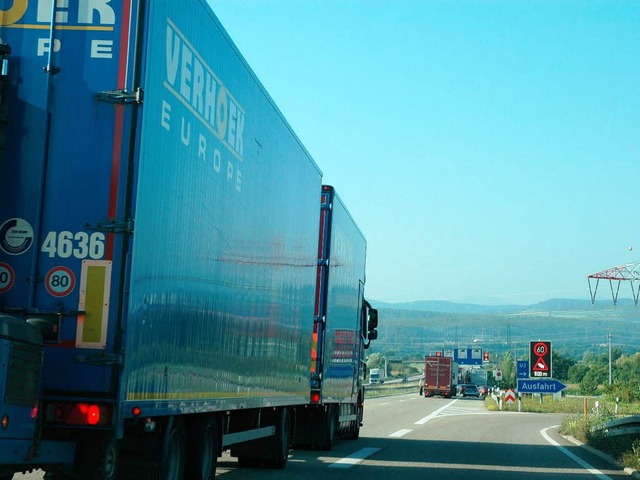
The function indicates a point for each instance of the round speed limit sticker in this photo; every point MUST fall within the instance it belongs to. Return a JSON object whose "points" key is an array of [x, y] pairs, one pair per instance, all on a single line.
{"points": [[60, 281], [7, 277]]}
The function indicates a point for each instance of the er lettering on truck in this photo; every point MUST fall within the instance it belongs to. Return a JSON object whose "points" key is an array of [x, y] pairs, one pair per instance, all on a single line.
{"points": [[95, 17]]}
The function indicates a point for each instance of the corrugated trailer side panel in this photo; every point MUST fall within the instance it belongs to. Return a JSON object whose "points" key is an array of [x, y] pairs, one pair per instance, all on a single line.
{"points": [[226, 225], [345, 292]]}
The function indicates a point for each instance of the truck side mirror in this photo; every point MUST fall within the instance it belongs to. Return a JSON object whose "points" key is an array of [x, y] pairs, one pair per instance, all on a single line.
{"points": [[373, 334], [373, 319]]}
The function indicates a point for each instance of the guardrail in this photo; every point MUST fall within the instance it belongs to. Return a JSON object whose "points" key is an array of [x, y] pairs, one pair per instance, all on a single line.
{"points": [[623, 426], [391, 388]]}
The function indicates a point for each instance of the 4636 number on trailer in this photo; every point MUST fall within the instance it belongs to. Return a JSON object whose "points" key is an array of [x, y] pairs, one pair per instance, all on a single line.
{"points": [[67, 244]]}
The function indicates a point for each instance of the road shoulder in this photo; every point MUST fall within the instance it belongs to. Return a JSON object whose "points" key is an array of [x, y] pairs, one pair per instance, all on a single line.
{"points": [[605, 456]]}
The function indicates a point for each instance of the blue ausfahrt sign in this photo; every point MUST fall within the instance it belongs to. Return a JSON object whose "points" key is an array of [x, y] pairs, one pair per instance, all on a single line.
{"points": [[540, 386]]}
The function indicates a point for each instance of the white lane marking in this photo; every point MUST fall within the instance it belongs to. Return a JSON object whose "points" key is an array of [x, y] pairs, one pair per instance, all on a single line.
{"points": [[400, 433], [434, 414], [575, 458], [354, 458]]}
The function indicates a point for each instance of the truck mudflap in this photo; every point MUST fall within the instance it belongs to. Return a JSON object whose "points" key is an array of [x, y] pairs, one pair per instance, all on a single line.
{"points": [[19, 455], [20, 447]]}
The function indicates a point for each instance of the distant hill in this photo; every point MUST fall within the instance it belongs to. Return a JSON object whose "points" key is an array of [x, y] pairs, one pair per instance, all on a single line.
{"points": [[448, 307], [555, 304], [574, 326]]}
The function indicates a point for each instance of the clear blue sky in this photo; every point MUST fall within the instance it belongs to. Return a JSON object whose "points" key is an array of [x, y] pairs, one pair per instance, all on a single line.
{"points": [[489, 149]]}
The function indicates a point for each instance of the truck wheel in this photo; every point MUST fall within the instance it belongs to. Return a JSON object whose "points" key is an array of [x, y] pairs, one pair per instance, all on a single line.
{"points": [[282, 442], [204, 444], [353, 431], [328, 428], [98, 456], [269, 452], [173, 454]]}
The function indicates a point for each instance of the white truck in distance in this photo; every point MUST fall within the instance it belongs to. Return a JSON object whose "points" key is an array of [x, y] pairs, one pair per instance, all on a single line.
{"points": [[376, 376]]}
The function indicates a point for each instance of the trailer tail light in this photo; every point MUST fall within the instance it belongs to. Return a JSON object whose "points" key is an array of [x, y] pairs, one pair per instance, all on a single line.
{"points": [[315, 398], [91, 414], [5, 422]]}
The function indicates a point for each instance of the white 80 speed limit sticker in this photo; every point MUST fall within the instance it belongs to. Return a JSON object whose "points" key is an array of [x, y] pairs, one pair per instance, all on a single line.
{"points": [[60, 281], [7, 277]]}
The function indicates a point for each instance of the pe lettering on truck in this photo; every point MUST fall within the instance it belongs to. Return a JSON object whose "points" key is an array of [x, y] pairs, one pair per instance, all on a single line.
{"points": [[95, 16], [79, 245]]}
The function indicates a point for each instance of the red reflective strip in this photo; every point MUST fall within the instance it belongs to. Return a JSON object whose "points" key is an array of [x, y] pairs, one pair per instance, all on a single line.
{"points": [[119, 122]]}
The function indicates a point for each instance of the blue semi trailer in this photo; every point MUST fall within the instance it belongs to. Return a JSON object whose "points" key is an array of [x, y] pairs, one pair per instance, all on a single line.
{"points": [[344, 325], [158, 252]]}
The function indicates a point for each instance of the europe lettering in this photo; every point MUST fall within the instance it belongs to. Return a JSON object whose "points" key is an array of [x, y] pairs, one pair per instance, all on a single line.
{"points": [[212, 122]]}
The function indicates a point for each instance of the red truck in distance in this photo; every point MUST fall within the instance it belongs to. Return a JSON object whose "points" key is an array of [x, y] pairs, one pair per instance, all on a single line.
{"points": [[439, 377]]}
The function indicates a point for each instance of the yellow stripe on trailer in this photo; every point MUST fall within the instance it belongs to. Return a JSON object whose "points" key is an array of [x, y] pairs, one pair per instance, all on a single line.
{"points": [[95, 290]]}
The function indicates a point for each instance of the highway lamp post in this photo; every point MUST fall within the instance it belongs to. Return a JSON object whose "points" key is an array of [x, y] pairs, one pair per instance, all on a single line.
{"points": [[610, 335]]}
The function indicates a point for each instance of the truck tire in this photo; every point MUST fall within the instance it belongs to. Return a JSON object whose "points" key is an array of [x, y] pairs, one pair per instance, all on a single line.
{"points": [[282, 441], [203, 448], [98, 456], [353, 433], [328, 430], [173, 453], [269, 452]]}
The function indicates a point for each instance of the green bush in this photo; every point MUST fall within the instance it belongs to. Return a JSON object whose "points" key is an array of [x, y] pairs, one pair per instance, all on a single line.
{"points": [[631, 457]]}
